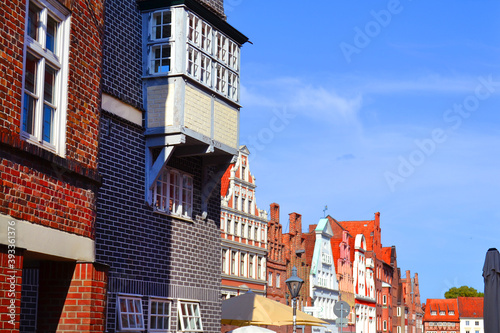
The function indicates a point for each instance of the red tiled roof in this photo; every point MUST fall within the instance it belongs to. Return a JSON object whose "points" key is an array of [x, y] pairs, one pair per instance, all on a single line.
{"points": [[439, 305], [471, 307], [386, 255]]}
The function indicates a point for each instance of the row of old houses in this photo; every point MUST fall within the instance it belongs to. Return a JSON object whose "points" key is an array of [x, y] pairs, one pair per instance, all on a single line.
{"points": [[461, 314], [338, 261]]}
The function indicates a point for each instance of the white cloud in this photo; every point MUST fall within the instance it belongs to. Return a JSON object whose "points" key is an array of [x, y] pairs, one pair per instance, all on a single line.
{"points": [[303, 98]]}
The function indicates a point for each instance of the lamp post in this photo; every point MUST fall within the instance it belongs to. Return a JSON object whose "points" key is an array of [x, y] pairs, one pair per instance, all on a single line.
{"points": [[294, 284]]}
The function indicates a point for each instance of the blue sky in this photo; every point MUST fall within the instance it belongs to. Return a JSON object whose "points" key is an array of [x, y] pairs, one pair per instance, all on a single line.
{"points": [[388, 106]]}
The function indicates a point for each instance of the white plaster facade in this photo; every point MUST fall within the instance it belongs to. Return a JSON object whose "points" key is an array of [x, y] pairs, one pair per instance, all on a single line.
{"points": [[364, 288], [323, 278], [243, 231], [471, 325]]}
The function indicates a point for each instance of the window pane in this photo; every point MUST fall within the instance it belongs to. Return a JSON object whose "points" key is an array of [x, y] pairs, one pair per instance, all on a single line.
{"points": [[132, 321], [48, 123], [33, 20], [28, 113], [51, 34], [125, 323], [50, 75], [30, 73], [123, 305]]}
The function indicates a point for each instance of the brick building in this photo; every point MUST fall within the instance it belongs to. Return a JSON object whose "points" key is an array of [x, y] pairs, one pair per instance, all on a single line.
{"points": [[243, 232], [169, 131], [276, 259], [409, 307], [49, 122], [299, 249], [384, 267]]}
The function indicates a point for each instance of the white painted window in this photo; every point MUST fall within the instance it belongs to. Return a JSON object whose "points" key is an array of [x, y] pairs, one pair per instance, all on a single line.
{"points": [[251, 266], [159, 315], [278, 280], [399, 312], [233, 262], [259, 268], [224, 261], [232, 86], [193, 62], [130, 315], [384, 299], [270, 279], [242, 264], [173, 193], [45, 76], [190, 317], [233, 55], [385, 325], [159, 44], [206, 37], [220, 79], [221, 47]]}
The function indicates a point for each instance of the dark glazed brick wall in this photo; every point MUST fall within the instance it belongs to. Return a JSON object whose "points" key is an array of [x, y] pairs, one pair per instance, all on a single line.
{"points": [[150, 253], [122, 57]]}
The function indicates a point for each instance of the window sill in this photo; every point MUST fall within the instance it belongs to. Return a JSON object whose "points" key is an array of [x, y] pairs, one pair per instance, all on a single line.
{"points": [[177, 217]]}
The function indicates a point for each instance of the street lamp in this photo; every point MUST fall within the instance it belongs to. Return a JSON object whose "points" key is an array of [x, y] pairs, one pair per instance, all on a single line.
{"points": [[294, 284]]}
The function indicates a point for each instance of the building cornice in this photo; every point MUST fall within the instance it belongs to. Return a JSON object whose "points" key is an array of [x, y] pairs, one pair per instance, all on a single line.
{"points": [[199, 9], [241, 246], [243, 214]]}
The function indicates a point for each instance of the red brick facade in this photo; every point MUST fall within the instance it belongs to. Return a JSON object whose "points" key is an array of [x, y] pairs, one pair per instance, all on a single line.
{"points": [[11, 263], [276, 262], [52, 191]]}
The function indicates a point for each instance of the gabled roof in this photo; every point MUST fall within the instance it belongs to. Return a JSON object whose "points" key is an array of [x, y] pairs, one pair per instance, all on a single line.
{"points": [[470, 307], [224, 182], [386, 255], [449, 306]]}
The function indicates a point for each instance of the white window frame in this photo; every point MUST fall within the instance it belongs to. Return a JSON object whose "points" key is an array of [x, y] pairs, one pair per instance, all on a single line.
{"points": [[164, 200], [243, 261], [160, 44], [384, 299], [224, 260], [234, 258], [189, 314], [57, 59], [384, 325], [156, 316], [251, 266], [270, 279], [278, 280], [133, 309], [259, 268]]}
